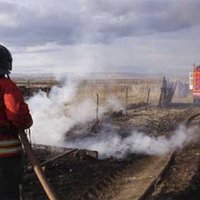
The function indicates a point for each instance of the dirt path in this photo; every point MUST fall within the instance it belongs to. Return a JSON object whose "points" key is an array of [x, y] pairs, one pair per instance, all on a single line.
{"points": [[148, 171]]}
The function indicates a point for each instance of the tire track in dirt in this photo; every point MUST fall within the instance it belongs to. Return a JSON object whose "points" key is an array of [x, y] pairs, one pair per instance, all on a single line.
{"points": [[146, 174]]}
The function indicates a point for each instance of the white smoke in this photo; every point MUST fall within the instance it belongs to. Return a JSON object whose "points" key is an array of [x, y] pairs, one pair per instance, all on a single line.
{"points": [[113, 104], [112, 144], [55, 114], [48, 111], [85, 111]]}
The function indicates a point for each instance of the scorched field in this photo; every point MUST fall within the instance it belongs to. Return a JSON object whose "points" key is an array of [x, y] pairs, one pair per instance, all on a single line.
{"points": [[112, 140]]}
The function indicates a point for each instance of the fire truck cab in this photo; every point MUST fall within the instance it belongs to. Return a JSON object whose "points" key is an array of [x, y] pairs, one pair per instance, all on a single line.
{"points": [[194, 80]]}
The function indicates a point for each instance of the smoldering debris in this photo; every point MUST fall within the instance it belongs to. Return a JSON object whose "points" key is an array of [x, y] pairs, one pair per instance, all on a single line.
{"points": [[110, 143]]}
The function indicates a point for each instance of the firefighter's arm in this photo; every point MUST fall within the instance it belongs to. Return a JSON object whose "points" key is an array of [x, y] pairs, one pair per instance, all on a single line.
{"points": [[17, 110]]}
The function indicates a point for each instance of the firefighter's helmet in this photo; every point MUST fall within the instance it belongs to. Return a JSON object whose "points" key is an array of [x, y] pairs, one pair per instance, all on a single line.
{"points": [[5, 60]]}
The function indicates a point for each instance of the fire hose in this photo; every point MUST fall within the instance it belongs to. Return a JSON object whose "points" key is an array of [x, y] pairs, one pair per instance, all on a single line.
{"points": [[189, 120], [37, 167]]}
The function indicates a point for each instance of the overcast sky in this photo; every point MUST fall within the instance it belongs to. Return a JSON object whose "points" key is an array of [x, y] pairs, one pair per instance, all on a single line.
{"points": [[143, 36]]}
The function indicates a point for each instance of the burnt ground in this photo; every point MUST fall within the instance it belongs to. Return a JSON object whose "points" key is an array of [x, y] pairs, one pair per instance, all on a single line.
{"points": [[79, 176]]}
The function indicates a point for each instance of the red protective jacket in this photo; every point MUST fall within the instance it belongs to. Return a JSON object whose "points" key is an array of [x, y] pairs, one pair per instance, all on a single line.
{"points": [[14, 112]]}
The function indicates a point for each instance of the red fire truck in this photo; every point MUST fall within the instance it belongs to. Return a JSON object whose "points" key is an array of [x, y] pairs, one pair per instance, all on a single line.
{"points": [[195, 84]]}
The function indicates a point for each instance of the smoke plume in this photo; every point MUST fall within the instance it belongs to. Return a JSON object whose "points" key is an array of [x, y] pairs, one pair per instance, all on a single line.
{"points": [[111, 143], [55, 113]]}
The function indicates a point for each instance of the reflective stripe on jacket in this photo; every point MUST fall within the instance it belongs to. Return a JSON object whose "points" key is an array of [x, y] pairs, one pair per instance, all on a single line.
{"points": [[10, 147]]}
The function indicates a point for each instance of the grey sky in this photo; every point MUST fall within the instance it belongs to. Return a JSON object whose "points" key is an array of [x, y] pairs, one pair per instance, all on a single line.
{"points": [[101, 35]]}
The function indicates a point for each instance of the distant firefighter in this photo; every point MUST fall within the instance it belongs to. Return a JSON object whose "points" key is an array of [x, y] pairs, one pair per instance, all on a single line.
{"points": [[14, 115]]}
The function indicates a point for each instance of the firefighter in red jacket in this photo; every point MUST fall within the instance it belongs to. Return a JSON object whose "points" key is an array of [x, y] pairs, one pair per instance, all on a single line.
{"points": [[14, 115]]}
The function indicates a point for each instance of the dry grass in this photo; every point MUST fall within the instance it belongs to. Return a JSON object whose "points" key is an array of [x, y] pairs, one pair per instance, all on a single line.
{"points": [[137, 89]]}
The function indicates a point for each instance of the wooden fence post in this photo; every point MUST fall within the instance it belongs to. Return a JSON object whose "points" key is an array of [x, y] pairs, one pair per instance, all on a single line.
{"points": [[126, 100], [148, 94], [167, 91], [97, 108]]}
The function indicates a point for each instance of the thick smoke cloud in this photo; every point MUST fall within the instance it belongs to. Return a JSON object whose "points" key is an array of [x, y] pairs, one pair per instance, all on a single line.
{"points": [[86, 21], [57, 113]]}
